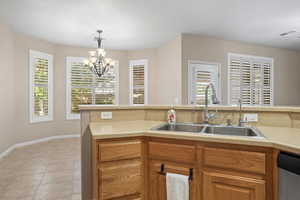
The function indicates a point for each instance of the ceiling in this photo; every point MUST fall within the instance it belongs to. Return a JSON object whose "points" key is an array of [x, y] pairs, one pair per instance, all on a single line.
{"points": [[136, 24]]}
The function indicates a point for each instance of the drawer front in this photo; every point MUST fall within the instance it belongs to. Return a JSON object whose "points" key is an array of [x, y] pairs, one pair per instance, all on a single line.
{"points": [[172, 152], [113, 151], [245, 161], [120, 179]]}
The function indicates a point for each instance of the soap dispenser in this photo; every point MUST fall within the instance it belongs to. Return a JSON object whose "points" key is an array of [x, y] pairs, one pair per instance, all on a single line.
{"points": [[172, 116]]}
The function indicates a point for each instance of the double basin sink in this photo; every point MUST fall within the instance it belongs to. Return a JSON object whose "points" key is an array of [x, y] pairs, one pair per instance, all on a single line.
{"points": [[211, 129]]}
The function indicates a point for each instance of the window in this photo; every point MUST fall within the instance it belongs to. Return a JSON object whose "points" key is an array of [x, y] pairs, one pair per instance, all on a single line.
{"points": [[84, 87], [138, 78], [250, 79], [200, 75], [41, 86]]}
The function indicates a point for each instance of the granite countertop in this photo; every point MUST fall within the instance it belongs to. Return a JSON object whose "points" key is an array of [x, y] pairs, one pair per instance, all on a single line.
{"points": [[282, 138]]}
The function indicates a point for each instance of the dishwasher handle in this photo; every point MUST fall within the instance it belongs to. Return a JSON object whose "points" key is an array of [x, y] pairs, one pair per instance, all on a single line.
{"points": [[289, 162]]}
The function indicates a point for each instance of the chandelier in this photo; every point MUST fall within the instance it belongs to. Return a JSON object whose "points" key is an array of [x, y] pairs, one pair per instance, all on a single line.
{"points": [[97, 61]]}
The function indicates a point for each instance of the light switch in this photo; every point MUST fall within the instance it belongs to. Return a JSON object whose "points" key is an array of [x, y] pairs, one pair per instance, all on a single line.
{"points": [[106, 115], [250, 117]]}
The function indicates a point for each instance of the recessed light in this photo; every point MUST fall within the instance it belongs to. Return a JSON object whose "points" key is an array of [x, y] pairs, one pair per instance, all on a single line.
{"points": [[287, 33]]}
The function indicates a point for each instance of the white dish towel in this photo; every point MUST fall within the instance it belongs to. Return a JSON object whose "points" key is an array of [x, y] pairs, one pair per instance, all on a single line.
{"points": [[177, 187]]}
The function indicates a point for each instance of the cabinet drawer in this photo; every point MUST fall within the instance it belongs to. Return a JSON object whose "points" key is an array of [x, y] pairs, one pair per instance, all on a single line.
{"points": [[112, 151], [254, 162], [172, 152], [120, 179]]}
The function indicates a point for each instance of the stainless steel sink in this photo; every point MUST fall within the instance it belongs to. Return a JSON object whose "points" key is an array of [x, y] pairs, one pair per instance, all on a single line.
{"points": [[233, 131], [211, 129], [195, 128]]}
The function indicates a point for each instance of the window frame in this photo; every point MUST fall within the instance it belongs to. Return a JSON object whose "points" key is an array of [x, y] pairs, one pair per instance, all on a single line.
{"points": [[133, 63], [33, 54], [268, 59], [190, 78], [69, 61]]}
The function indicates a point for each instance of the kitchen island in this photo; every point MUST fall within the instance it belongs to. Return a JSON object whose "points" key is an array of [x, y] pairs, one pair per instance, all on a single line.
{"points": [[122, 158]]}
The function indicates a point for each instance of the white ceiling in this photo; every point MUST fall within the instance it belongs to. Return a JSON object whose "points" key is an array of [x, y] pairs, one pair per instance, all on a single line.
{"points": [[135, 24]]}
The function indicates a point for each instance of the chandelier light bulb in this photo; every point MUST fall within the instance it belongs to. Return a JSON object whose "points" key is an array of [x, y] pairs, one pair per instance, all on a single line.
{"points": [[93, 59], [101, 52], [92, 53], [108, 60], [86, 62]]}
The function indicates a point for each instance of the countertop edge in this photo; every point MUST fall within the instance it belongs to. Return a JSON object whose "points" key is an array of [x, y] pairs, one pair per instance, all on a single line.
{"points": [[247, 141], [189, 107]]}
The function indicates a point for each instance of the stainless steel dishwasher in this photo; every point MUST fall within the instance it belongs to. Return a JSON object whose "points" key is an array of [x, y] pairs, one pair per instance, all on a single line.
{"points": [[289, 176]]}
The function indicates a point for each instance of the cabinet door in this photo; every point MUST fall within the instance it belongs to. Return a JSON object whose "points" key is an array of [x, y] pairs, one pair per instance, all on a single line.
{"points": [[120, 179], [218, 186], [157, 181]]}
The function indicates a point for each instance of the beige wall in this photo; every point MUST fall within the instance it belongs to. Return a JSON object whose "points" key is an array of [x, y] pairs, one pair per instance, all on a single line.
{"points": [[286, 64], [167, 67], [24, 130], [14, 115], [7, 121], [59, 126], [168, 73]]}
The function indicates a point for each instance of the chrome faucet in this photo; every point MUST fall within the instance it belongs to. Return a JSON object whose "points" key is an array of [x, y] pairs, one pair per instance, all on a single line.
{"points": [[206, 115], [241, 121]]}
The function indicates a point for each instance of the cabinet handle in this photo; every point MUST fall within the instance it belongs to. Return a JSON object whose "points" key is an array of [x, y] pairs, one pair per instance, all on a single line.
{"points": [[162, 171], [191, 174]]}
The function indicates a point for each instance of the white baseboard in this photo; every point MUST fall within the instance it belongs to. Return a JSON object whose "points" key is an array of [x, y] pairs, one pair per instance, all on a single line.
{"points": [[18, 145], [8, 151]]}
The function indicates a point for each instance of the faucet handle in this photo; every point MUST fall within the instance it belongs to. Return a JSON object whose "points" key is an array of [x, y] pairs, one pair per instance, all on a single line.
{"points": [[229, 122], [242, 122], [212, 115]]}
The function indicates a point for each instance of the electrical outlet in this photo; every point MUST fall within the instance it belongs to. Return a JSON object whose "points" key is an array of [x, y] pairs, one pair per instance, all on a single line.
{"points": [[106, 115], [250, 117]]}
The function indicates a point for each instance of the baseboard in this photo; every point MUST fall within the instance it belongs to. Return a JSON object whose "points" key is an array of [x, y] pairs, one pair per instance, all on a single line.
{"points": [[18, 145], [7, 151]]}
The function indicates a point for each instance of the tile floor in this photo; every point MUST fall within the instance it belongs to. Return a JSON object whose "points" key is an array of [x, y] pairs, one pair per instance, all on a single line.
{"points": [[44, 171]]}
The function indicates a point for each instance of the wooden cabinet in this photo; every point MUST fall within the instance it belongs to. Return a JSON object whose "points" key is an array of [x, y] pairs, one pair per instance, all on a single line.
{"points": [[221, 186], [119, 170], [172, 152], [120, 179], [244, 161], [131, 169], [115, 151], [157, 181]]}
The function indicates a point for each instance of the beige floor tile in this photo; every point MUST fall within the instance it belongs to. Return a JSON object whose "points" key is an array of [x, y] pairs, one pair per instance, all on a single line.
{"points": [[76, 197], [77, 175], [76, 187], [44, 171], [58, 177], [60, 165], [55, 190]]}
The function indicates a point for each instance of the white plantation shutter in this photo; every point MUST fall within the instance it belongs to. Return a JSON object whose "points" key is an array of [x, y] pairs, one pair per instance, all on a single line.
{"points": [[41, 83], [138, 82], [81, 85], [105, 89], [84, 87], [200, 75], [250, 79]]}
